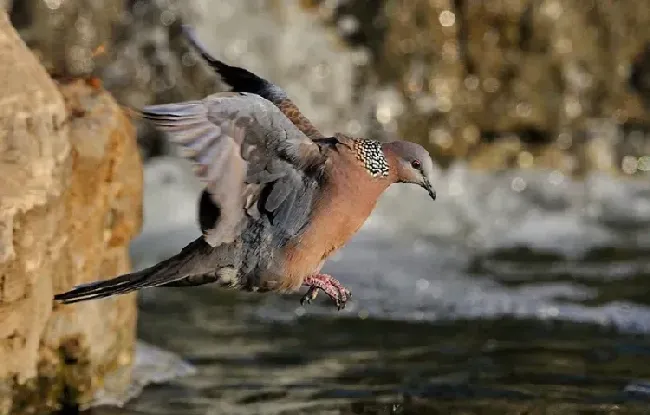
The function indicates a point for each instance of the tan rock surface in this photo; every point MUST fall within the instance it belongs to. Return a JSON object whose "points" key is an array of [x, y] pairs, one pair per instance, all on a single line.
{"points": [[70, 201]]}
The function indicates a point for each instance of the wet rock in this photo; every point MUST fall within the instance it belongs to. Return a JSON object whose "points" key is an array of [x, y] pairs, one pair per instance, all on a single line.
{"points": [[474, 77], [70, 201], [69, 37]]}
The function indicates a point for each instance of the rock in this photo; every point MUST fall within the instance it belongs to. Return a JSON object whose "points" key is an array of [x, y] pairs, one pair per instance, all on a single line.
{"points": [[70, 201], [69, 37], [471, 75]]}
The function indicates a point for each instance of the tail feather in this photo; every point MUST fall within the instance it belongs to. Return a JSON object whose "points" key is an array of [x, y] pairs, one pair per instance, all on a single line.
{"points": [[239, 79], [193, 260]]}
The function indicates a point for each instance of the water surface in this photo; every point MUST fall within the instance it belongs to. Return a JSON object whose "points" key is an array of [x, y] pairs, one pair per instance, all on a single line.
{"points": [[513, 293]]}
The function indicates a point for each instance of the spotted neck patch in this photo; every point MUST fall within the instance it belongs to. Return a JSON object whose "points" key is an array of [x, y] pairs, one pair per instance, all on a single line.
{"points": [[370, 153]]}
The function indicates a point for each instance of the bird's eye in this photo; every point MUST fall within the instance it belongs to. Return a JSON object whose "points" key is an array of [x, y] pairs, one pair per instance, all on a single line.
{"points": [[416, 164]]}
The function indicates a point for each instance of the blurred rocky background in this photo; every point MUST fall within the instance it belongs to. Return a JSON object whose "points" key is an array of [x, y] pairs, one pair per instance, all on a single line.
{"points": [[524, 92], [501, 83]]}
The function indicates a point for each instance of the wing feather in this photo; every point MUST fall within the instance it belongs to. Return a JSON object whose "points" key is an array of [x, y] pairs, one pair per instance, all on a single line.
{"points": [[242, 80], [244, 149]]}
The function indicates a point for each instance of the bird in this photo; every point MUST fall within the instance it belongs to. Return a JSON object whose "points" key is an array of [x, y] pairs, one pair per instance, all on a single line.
{"points": [[279, 197]]}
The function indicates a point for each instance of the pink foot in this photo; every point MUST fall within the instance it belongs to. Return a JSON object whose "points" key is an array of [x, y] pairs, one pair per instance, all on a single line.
{"points": [[331, 286]]}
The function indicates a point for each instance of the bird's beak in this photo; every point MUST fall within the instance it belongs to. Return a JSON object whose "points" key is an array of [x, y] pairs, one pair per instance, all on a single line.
{"points": [[429, 188]]}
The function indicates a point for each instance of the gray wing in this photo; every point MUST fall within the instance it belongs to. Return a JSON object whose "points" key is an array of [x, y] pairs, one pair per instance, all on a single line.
{"points": [[242, 80], [251, 157]]}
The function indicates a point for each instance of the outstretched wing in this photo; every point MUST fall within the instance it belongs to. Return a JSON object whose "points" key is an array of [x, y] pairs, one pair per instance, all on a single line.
{"points": [[241, 80], [251, 157]]}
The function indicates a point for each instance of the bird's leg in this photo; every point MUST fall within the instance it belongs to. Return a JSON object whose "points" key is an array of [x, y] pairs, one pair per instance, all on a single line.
{"points": [[330, 285]]}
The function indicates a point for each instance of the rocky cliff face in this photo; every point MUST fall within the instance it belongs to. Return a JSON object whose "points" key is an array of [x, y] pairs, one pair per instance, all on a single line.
{"points": [[70, 201]]}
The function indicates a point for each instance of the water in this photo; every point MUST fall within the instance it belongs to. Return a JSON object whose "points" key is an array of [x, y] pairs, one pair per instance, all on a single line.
{"points": [[514, 292]]}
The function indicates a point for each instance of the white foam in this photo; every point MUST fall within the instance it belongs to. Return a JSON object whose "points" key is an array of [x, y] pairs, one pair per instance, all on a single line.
{"points": [[411, 242]]}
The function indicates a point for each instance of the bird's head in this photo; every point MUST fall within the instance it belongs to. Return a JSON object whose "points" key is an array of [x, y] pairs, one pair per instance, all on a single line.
{"points": [[413, 164]]}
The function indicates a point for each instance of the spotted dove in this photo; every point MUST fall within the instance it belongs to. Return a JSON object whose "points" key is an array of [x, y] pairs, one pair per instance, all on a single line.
{"points": [[279, 196]]}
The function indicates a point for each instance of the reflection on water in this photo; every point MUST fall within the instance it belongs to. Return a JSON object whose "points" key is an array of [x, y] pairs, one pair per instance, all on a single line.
{"points": [[493, 301]]}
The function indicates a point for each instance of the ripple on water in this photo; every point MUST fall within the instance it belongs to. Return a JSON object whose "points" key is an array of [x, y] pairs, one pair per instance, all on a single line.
{"points": [[490, 294]]}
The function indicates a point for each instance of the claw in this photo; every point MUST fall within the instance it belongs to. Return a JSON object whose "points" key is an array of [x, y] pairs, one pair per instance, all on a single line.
{"points": [[342, 298], [332, 287], [310, 296]]}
